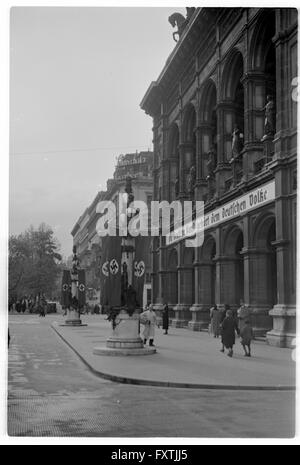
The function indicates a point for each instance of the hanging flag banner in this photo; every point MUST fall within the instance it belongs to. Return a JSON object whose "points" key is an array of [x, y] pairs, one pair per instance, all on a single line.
{"points": [[139, 269], [66, 289], [113, 266], [105, 269], [104, 266], [141, 262], [114, 279], [110, 280], [81, 288]]}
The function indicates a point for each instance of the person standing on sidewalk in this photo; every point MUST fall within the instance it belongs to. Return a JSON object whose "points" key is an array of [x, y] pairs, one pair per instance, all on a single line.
{"points": [[246, 334], [148, 318], [243, 315], [229, 327], [222, 317], [165, 318], [43, 305], [215, 321]]}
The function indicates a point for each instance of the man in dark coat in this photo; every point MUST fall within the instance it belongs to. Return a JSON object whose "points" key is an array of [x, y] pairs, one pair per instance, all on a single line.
{"points": [[229, 327], [165, 318]]}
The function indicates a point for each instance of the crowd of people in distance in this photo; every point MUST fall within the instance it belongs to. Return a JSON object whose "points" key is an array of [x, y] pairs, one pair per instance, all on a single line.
{"points": [[31, 304], [226, 323]]}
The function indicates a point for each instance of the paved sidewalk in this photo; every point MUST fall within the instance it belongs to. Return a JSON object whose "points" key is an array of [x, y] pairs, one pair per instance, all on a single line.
{"points": [[184, 359]]}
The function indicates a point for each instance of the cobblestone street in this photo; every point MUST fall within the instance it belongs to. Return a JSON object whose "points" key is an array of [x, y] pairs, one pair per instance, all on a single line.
{"points": [[52, 393]]}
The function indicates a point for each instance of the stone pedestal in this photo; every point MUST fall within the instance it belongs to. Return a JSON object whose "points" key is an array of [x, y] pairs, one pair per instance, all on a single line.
{"points": [[73, 319], [200, 317], [236, 166], [268, 145], [125, 338], [284, 324]]}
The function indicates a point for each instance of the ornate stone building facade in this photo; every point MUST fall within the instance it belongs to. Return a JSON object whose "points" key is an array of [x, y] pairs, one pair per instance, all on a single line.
{"points": [[225, 132]]}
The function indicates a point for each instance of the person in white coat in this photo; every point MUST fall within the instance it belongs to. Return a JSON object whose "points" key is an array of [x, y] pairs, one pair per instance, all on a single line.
{"points": [[148, 318]]}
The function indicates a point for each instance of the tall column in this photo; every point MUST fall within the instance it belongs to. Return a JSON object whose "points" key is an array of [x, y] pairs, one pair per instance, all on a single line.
{"points": [[185, 162], [203, 142], [160, 300], [203, 293], [173, 174], [225, 121], [182, 313], [226, 278], [284, 312]]}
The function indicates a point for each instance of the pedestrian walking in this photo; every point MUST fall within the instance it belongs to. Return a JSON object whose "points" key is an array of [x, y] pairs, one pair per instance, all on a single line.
{"points": [[23, 305], [222, 317], [18, 306], [228, 329], [148, 318], [42, 307], [165, 318], [246, 334], [243, 315], [215, 321]]}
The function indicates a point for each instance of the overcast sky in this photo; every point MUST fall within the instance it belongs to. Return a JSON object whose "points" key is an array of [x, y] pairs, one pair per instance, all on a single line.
{"points": [[77, 77]]}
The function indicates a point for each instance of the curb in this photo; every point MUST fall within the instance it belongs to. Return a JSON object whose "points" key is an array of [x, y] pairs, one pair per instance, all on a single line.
{"points": [[144, 382]]}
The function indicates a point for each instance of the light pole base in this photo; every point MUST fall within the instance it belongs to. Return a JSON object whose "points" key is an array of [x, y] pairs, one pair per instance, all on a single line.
{"points": [[78, 325], [124, 351], [73, 319], [125, 338]]}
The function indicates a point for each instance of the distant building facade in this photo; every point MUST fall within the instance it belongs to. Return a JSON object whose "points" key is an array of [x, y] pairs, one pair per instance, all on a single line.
{"points": [[89, 244], [225, 132]]}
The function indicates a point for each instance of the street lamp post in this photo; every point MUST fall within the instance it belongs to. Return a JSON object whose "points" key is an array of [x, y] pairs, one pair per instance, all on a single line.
{"points": [[125, 338], [73, 286]]}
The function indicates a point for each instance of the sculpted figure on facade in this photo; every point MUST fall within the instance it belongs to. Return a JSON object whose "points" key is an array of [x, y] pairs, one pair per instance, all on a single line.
{"points": [[192, 179], [177, 19], [237, 142], [211, 162], [270, 116]]}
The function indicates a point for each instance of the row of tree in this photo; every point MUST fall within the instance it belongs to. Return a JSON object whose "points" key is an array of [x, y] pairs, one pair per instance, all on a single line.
{"points": [[34, 262]]}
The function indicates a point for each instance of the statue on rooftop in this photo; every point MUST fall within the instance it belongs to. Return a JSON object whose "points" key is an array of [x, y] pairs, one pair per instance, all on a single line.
{"points": [[177, 19]]}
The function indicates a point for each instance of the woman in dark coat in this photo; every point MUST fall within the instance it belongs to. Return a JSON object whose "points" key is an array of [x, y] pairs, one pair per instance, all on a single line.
{"points": [[165, 318], [229, 327]]}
